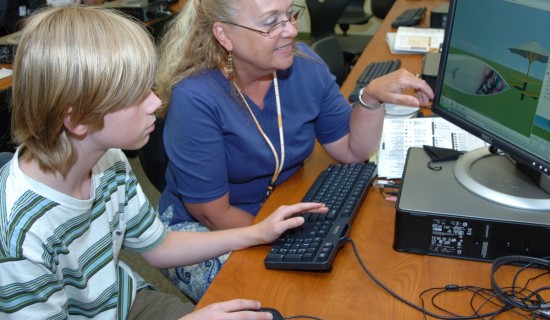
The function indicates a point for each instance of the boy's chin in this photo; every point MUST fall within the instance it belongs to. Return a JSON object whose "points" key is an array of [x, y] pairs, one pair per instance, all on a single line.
{"points": [[138, 145]]}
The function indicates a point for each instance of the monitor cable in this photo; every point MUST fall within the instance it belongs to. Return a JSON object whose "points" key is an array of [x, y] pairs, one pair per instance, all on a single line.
{"points": [[389, 189], [491, 296], [521, 297]]}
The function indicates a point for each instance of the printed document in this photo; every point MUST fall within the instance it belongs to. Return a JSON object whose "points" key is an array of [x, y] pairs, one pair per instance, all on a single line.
{"points": [[401, 134]]}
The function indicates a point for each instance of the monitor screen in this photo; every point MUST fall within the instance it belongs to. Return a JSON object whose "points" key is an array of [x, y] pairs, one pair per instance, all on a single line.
{"points": [[494, 82]]}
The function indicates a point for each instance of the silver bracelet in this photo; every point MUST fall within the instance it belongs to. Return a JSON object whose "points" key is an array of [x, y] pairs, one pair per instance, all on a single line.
{"points": [[366, 105]]}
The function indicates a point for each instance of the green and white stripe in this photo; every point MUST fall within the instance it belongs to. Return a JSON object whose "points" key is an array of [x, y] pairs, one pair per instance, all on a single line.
{"points": [[59, 255]]}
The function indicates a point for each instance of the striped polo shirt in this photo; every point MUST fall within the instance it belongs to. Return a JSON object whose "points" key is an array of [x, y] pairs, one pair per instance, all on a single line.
{"points": [[59, 255]]}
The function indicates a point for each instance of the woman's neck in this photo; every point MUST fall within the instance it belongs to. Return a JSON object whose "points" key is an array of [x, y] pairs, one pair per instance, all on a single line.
{"points": [[256, 88]]}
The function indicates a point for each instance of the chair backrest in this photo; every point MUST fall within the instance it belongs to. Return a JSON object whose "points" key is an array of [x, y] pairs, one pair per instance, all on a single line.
{"points": [[157, 26], [152, 157], [329, 50], [354, 14], [323, 15], [6, 143], [356, 5], [380, 8]]}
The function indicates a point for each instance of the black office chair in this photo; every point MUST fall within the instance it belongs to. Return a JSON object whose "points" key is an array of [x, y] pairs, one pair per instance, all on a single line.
{"points": [[380, 8], [353, 14], [152, 157], [324, 15], [329, 50], [156, 28], [6, 143]]}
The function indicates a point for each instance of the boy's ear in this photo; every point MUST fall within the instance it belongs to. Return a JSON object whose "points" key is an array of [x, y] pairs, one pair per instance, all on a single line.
{"points": [[78, 129], [219, 32]]}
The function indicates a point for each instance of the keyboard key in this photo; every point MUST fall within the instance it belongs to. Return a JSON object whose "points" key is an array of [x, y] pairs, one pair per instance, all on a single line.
{"points": [[274, 257], [314, 245], [371, 72], [409, 17]]}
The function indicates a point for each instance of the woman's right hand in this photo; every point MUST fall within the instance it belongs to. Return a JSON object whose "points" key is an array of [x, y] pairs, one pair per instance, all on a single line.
{"points": [[232, 309]]}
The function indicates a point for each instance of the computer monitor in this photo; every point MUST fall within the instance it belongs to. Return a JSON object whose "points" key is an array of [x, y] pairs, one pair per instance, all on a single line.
{"points": [[494, 82]]}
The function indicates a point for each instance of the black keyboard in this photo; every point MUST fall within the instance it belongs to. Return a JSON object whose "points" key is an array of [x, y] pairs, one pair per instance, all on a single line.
{"points": [[410, 17], [314, 245], [373, 71]]}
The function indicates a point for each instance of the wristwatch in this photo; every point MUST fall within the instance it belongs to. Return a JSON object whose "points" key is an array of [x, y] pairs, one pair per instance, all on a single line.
{"points": [[367, 106]]}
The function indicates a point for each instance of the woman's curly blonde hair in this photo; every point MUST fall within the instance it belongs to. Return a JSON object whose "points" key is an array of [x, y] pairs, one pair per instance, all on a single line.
{"points": [[189, 45]]}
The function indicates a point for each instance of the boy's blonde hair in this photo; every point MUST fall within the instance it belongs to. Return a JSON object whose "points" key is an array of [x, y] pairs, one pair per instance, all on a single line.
{"points": [[89, 60]]}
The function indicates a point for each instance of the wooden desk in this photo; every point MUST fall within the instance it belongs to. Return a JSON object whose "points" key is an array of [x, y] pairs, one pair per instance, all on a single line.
{"points": [[348, 292], [5, 83]]}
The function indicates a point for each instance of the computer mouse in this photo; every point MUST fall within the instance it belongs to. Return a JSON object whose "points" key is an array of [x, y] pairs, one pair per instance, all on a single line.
{"points": [[276, 314]]}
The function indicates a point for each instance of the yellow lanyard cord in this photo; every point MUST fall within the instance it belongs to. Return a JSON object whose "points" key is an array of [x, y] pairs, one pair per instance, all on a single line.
{"points": [[278, 163]]}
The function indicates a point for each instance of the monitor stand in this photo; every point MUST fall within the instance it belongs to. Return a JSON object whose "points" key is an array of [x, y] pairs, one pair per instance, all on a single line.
{"points": [[495, 177]]}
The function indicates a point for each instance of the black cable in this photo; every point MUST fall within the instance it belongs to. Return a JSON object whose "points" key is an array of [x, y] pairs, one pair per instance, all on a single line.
{"points": [[410, 304], [390, 193], [536, 277], [524, 298], [485, 294], [385, 193], [458, 288]]}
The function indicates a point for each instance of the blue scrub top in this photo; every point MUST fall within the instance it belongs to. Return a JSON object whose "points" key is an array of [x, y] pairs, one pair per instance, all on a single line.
{"points": [[215, 147]]}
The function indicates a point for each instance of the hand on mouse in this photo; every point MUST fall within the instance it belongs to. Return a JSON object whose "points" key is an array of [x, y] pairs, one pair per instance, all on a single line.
{"points": [[232, 309]]}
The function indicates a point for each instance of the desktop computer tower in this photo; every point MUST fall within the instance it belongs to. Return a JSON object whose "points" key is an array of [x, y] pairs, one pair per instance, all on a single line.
{"points": [[430, 68], [435, 215], [439, 15]]}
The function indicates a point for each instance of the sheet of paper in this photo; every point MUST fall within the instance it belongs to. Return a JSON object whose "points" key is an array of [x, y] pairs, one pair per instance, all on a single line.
{"points": [[5, 73], [401, 134], [420, 40], [390, 40]]}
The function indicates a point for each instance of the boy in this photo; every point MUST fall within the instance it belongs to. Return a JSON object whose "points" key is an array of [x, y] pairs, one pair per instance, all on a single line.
{"points": [[68, 199]]}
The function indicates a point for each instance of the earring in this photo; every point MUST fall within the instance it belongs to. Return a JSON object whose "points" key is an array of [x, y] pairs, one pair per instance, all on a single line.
{"points": [[229, 67]]}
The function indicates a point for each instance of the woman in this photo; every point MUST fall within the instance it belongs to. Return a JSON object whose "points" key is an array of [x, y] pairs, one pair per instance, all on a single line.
{"points": [[244, 107]]}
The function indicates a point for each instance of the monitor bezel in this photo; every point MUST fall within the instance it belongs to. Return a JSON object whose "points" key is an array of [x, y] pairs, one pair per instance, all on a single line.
{"points": [[531, 161]]}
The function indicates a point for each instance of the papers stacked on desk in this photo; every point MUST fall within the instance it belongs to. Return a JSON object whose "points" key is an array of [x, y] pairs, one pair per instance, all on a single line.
{"points": [[401, 134], [409, 40], [4, 73]]}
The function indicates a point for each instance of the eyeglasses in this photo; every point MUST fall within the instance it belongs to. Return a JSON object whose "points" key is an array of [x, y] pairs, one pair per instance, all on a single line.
{"points": [[274, 31]]}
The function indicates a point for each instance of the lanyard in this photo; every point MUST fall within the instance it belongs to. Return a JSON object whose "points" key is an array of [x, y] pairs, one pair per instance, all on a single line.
{"points": [[278, 162]]}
